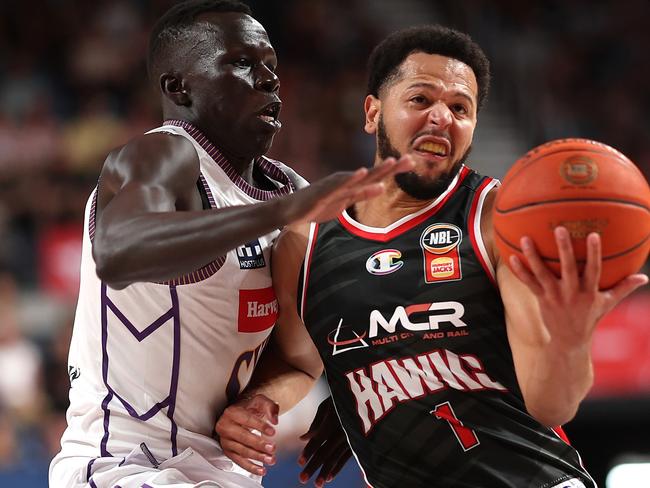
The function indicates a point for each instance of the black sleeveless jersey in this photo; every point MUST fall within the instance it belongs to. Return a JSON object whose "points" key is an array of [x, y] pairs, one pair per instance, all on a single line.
{"points": [[410, 327]]}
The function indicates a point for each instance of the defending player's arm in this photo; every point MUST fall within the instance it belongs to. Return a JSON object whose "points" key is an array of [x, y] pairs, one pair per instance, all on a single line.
{"points": [[287, 370], [293, 362], [150, 227], [551, 321], [283, 377]]}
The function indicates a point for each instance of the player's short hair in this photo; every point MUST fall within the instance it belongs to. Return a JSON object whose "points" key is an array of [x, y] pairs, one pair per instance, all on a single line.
{"points": [[387, 57], [175, 23]]}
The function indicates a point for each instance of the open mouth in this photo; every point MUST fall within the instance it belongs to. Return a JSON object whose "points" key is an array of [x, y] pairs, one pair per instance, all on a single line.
{"points": [[270, 113]]}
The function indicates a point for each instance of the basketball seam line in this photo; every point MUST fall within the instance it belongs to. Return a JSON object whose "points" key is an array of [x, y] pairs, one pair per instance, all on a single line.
{"points": [[557, 260], [565, 200]]}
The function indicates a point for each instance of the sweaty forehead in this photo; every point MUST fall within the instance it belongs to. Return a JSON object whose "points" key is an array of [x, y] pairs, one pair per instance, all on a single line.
{"points": [[423, 67], [233, 29]]}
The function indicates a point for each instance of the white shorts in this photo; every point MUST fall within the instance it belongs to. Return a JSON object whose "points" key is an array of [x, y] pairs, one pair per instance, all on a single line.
{"points": [[186, 470]]}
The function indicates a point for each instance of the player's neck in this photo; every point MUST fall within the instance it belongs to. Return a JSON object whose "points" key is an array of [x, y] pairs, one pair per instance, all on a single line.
{"points": [[388, 208]]}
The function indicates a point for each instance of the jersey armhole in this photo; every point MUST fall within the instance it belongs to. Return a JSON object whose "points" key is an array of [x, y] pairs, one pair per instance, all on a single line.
{"points": [[474, 226], [303, 279]]}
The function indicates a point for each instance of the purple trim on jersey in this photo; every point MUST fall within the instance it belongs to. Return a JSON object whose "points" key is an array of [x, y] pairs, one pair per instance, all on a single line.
{"points": [[175, 367], [208, 192], [209, 269], [91, 217], [144, 485], [170, 401], [267, 166], [92, 483], [89, 469], [147, 331], [109, 395]]}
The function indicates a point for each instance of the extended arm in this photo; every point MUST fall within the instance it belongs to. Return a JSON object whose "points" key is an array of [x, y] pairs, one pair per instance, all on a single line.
{"points": [[150, 226], [551, 321]]}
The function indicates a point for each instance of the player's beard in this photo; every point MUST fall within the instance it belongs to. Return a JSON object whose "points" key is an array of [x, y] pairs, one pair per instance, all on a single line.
{"points": [[410, 182]]}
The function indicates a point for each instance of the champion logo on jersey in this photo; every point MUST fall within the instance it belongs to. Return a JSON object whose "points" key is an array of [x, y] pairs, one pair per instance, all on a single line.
{"points": [[258, 310], [384, 262], [439, 243], [250, 255]]}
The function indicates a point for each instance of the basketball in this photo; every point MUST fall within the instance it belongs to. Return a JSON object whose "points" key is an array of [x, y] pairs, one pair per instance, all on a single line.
{"points": [[585, 186]]}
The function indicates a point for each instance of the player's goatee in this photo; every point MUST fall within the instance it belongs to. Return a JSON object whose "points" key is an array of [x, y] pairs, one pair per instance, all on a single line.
{"points": [[410, 182]]}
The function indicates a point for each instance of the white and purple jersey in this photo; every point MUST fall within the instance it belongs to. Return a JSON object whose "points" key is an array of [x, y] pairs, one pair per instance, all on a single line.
{"points": [[158, 362]]}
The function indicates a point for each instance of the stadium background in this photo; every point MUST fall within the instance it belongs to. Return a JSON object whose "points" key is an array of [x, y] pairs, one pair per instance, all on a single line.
{"points": [[73, 86]]}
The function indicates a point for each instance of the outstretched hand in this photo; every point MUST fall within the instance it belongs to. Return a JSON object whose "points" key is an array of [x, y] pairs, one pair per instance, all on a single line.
{"points": [[327, 447], [245, 432], [327, 198], [572, 304]]}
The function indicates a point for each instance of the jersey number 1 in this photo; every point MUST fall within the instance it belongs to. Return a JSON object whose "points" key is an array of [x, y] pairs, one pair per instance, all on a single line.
{"points": [[466, 436]]}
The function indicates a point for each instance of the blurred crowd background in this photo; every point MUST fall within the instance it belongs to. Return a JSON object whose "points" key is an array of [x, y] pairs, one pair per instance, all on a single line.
{"points": [[73, 86]]}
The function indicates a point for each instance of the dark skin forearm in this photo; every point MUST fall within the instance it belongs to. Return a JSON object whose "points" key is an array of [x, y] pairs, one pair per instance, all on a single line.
{"points": [[150, 225], [164, 245]]}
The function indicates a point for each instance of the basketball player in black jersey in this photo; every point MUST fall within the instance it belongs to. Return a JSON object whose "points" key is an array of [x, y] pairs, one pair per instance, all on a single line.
{"points": [[448, 367]]}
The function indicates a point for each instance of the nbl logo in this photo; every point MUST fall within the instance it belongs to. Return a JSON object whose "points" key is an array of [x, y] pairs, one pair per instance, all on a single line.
{"points": [[440, 244]]}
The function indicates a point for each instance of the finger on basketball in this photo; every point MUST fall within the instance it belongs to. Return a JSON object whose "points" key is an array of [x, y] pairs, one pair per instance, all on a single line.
{"points": [[543, 275], [593, 267], [567, 257], [625, 287]]}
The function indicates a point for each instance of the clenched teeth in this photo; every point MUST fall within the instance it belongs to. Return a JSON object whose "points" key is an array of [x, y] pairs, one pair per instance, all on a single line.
{"points": [[433, 147]]}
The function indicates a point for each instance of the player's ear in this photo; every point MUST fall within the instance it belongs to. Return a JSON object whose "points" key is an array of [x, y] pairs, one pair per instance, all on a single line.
{"points": [[372, 107], [173, 87]]}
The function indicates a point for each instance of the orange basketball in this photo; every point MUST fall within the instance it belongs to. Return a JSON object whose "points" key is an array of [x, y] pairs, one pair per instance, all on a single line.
{"points": [[585, 186]]}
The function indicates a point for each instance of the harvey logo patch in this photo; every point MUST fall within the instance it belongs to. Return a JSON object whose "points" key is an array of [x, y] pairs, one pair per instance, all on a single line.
{"points": [[439, 243], [258, 310]]}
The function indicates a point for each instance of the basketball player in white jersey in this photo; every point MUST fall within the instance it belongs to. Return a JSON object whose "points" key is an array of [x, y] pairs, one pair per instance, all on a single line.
{"points": [[176, 301]]}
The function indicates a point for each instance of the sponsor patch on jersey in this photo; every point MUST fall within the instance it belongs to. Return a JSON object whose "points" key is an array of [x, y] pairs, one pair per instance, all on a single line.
{"points": [[258, 310], [384, 262], [572, 483], [250, 255], [439, 243], [344, 338]]}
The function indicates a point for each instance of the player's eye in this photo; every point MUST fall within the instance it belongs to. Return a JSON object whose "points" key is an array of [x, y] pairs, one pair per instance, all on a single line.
{"points": [[242, 63], [418, 99], [459, 108]]}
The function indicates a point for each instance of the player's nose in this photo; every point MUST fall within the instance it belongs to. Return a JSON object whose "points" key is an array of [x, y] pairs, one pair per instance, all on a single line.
{"points": [[266, 80], [440, 115]]}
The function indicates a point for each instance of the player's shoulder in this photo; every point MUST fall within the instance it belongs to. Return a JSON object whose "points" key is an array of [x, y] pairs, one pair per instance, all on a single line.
{"points": [[297, 180], [155, 148], [154, 156], [293, 239]]}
